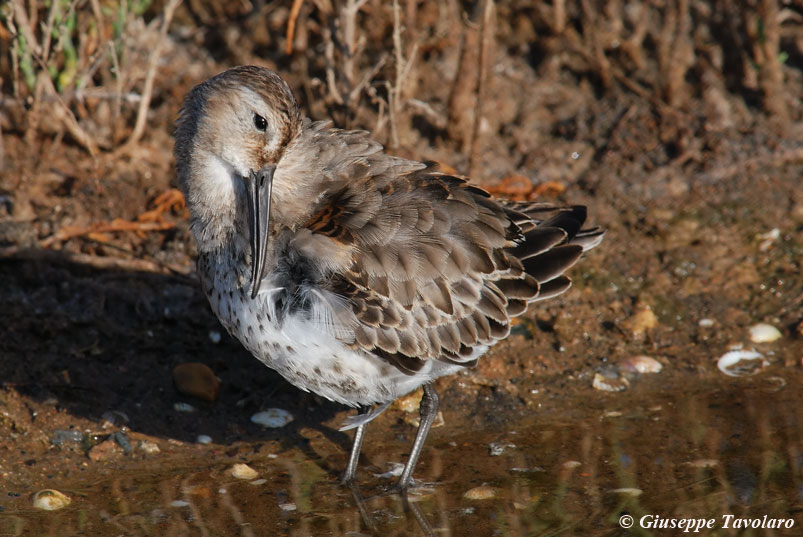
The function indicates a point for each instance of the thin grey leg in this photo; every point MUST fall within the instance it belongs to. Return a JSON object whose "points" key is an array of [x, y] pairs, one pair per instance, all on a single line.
{"points": [[428, 409], [417, 514], [351, 468]]}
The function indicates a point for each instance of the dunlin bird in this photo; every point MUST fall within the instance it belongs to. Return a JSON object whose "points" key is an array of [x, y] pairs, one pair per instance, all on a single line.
{"points": [[355, 274]]}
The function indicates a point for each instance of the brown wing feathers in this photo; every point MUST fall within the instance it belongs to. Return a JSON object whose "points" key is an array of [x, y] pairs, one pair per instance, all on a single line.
{"points": [[440, 268]]}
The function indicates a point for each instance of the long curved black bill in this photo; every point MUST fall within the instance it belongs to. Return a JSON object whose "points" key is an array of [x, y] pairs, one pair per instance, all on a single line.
{"points": [[257, 190]]}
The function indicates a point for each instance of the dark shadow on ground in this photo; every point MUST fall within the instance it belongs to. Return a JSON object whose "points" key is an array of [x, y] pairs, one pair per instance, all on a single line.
{"points": [[92, 341]]}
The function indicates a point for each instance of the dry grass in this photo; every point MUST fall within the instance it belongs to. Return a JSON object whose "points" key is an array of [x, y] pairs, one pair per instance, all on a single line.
{"points": [[413, 72]]}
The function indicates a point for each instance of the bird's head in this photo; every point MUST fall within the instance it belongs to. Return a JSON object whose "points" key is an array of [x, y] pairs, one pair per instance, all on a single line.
{"points": [[231, 135]]}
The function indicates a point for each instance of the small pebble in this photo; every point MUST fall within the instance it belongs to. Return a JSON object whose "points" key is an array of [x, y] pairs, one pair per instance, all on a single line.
{"points": [[409, 402], [768, 238], [641, 322], [497, 448], [628, 491], [214, 336], [257, 482], [606, 384], [483, 492], [183, 407], [151, 448], [50, 500], [243, 471], [195, 379], [703, 463], [65, 436], [179, 503], [287, 506], [204, 439], [764, 333], [396, 469], [640, 364], [741, 363], [113, 418], [104, 451], [273, 418], [706, 323], [122, 440], [415, 419], [571, 464]]}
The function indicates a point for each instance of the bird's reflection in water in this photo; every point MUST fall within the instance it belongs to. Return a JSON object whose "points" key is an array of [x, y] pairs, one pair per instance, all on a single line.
{"points": [[408, 502]]}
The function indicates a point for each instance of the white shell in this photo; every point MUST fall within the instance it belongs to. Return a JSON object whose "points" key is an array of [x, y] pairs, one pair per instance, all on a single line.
{"points": [[742, 363], [272, 418], [641, 364], [204, 439], [50, 500], [764, 333]]}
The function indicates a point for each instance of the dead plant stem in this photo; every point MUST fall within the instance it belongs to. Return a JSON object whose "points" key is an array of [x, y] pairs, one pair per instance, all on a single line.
{"points": [[486, 38], [153, 64], [291, 26]]}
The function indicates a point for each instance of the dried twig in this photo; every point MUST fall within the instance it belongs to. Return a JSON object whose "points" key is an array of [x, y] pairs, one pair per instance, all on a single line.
{"points": [[403, 69], [23, 24], [398, 50], [486, 44], [64, 113], [48, 31], [463, 93], [766, 53], [94, 261], [118, 79], [559, 16], [291, 26], [355, 93], [153, 63], [437, 119], [329, 55], [348, 16], [394, 133], [591, 30], [152, 220], [70, 232]]}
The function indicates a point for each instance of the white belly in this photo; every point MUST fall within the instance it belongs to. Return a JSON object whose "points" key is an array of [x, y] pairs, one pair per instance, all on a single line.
{"points": [[310, 356]]}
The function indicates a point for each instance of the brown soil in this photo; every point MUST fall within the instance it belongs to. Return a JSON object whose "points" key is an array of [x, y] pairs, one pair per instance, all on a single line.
{"points": [[685, 141]]}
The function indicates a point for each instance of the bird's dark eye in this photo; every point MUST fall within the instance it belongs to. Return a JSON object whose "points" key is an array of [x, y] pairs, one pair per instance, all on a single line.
{"points": [[260, 123]]}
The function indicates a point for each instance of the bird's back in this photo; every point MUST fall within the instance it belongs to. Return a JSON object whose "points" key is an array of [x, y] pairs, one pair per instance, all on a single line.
{"points": [[437, 267]]}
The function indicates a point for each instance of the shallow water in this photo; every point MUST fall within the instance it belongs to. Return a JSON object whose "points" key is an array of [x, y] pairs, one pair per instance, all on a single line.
{"points": [[718, 450]]}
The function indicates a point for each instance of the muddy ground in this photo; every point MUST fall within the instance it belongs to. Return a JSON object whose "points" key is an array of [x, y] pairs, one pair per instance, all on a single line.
{"points": [[678, 126]]}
